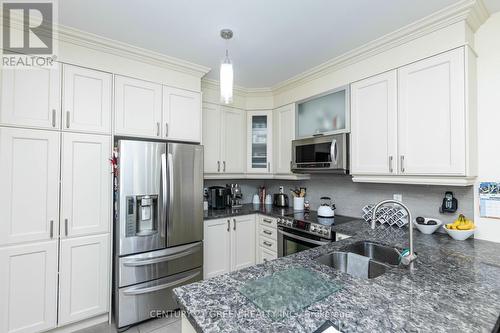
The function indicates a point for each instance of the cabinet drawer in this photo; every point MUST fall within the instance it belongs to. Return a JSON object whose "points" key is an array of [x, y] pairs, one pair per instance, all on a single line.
{"points": [[266, 255], [268, 232], [267, 221], [268, 243]]}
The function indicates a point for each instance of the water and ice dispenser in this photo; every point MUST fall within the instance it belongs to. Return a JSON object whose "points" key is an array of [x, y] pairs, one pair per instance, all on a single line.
{"points": [[142, 215]]}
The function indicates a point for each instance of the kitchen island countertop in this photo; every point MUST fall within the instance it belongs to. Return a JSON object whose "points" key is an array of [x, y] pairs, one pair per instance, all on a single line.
{"points": [[454, 288]]}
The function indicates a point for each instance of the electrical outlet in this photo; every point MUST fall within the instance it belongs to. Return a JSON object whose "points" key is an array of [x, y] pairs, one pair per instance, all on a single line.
{"points": [[398, 197]]}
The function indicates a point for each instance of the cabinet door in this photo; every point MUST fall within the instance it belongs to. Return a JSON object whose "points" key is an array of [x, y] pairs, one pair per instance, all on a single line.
{"points": [[86, 100], [233, 140], [28, 287], [29, 185], [181, 115], [85, 184], [259, 142], [266, 255], [284, 133], [432, 116], [216, 247], [31, 97], [84, 278], [243, 242], [211, 138], [374, 125], [137, 107]]}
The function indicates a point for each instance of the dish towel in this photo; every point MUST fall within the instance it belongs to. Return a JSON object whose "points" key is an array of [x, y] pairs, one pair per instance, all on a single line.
{"points": [[358, 265]]}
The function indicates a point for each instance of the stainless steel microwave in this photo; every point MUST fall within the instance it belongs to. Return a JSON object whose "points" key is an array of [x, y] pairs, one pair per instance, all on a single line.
{"points": [[321, 154]]}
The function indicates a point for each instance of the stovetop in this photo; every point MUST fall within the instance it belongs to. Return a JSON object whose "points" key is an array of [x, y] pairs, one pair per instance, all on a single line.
{"points": [[309, 222]]}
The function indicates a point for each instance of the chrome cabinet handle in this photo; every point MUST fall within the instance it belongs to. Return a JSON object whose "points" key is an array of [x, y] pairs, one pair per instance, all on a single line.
{"points": [[228, 225], [390, 164], [268, 166], [67, 119], [267, 220], [51, 228], [402, 163], [53, 117], [157, 129], [224, 166], [66, 227], [234, 224], [266, 243], [267, 232], [218, 166], [166, 129]]}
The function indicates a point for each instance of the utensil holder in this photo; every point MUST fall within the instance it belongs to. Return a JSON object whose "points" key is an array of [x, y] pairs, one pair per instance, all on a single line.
{"points": [[298, 203]]}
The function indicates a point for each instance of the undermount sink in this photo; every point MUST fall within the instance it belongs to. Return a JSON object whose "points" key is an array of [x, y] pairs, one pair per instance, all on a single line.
{"points": [[341, 262], [377, 252]]}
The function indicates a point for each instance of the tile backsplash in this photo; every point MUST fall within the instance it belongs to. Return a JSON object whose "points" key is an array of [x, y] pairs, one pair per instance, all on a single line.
{"points": [[350, 197]]}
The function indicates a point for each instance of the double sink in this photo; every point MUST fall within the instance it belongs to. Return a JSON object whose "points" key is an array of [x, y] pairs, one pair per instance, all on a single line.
{"points": [[381, 258]]}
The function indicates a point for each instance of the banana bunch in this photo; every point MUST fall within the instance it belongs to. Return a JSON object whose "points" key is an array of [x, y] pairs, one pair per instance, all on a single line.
{"points": [[461, 223]]}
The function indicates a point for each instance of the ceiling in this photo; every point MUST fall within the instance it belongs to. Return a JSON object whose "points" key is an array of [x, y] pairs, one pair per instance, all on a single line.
{"points": [[273, 39]]}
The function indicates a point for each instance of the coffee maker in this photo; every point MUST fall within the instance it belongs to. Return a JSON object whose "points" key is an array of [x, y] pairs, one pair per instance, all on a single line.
{"points": [[217, 197], [233, 195]]}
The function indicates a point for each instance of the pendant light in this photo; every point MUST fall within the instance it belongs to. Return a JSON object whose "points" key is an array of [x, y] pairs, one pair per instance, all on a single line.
{"points": [[226, 72]]}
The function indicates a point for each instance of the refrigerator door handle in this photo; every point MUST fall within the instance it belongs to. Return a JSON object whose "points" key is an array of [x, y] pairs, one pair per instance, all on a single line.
{"points": [[163, 188], [170, 185], [140, 291]]}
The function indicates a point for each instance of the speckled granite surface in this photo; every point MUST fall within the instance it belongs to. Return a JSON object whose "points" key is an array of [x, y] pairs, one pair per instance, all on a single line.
{"points": [[455, 288], [247, 209]]}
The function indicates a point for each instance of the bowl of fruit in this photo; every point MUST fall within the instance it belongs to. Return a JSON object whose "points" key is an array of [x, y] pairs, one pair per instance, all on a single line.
{"points": [[427, 225], [461, 229]]}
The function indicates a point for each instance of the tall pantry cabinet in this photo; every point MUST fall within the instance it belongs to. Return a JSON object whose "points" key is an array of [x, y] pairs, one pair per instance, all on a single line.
{"points": [[55, 196]]}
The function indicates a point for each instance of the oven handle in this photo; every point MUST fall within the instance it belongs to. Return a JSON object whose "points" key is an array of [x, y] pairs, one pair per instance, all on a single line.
{"points": [[148, 290], [304, 239]]}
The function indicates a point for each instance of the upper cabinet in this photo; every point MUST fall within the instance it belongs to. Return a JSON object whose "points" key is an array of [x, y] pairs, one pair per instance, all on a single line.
{"points": [[86, 100], [284, 133], [324, 114], [412, 123], [31, 98], [181, 115], [259, 142], [138, 107], [212, 127]]}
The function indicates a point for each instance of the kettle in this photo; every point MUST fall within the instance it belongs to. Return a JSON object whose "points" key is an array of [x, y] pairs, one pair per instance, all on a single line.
{"points": [[326, 208], [280, 200]]}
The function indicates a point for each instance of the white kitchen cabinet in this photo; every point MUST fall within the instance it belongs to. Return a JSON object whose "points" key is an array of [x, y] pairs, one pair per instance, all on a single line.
{"points": [[31, 98], [84, 278], [28, 287], [181, 115], [265, 255], [216, 247], [29, 194], [284, 133], [243, 242], [432, 116], [259, 142], [86, 100], [223, 139], [138, 107], [374, 125], [85, 184]]}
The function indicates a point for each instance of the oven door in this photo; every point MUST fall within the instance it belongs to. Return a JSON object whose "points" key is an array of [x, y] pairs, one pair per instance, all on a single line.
{"points": [[290, 242]]}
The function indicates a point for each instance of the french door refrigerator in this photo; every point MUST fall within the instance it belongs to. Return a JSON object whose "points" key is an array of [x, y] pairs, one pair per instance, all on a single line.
{"points": [[158, 226]]}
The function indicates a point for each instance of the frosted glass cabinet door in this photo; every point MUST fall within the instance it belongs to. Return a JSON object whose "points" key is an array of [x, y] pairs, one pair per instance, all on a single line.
{"points": [[326, 114], [259, 142]]}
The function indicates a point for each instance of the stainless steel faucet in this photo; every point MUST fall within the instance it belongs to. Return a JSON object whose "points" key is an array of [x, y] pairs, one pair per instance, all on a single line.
{"points": [[406, 260]]}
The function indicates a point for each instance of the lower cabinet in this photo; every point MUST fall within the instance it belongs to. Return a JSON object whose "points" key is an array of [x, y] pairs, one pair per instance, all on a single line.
{"points": [[28, 287], [84, 278], [229, 245], [267, 244]]}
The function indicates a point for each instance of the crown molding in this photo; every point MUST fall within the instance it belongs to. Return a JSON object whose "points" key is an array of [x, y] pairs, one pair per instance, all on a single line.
{"points": [[242, 91]]}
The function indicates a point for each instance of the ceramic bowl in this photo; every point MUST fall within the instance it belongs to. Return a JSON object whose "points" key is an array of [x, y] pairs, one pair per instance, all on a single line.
{"points": [[460, 234], [428, 229]]}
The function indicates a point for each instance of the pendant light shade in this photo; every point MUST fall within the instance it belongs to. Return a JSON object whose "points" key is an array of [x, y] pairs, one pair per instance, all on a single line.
{"points": [[226, 72]]}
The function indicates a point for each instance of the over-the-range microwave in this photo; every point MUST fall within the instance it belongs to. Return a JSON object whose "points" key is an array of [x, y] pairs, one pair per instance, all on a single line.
{"points": [[321, 154]]}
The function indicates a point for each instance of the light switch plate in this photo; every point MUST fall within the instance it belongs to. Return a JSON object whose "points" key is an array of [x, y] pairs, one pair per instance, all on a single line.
{"points": [[398, 197]]}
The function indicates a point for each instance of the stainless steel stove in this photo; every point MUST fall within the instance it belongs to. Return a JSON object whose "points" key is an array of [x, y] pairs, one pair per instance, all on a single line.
{"points": [[305, 230]]}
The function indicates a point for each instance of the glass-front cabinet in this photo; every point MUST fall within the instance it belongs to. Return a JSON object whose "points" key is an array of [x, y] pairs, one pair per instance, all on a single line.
{"points": [[324, 114], [259, 142]]}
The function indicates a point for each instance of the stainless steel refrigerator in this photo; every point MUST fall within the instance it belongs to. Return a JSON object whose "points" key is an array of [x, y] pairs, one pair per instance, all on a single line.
{"points": [[158, 226]]}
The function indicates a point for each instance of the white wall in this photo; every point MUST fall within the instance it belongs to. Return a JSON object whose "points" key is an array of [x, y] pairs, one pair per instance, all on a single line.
{"points": [[488, 66]]}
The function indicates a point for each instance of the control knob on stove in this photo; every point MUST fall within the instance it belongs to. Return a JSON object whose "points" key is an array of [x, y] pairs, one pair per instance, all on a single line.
{"points": [[312, 228], [289, 223]]}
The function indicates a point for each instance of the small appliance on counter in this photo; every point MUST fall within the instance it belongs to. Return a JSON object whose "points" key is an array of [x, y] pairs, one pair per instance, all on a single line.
{"points": [[280, 199], [233, 195], [326, 208], [217, 197]]}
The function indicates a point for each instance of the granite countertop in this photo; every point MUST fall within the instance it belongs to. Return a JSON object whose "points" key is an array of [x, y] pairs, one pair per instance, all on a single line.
{"points": [[247, 209], [454, 288]]}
